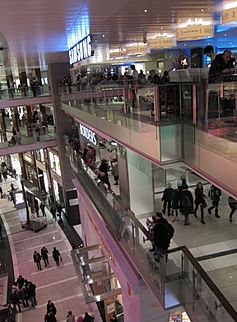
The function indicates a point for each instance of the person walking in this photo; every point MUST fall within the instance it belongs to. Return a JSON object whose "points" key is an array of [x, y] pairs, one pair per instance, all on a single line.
{"points": [[186, 204], [42, 208], [37, 259], [56, 255], [51, 308], [44, 255], [1, 192], [233, 206], [175, 205], [200, 201], [167, 198], [70, 317], [214, 194]]}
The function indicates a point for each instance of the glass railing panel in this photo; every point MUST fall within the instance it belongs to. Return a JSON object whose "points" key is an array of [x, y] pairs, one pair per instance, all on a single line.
{"points": [[187, 283], [170, 142], [23, 92]]}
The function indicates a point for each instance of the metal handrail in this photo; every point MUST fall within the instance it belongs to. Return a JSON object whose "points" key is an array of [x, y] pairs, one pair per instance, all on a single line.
{"points": [[212, 286]]}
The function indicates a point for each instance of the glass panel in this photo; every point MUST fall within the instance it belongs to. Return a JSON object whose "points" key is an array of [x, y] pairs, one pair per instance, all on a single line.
{"points": [[170, 142]]}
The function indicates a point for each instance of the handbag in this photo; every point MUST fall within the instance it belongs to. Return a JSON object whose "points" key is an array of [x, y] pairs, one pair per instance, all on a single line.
{"points": [[204, 205]]}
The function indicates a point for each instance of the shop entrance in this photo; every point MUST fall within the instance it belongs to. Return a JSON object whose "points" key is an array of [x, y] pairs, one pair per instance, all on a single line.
{"points": [[98, 282]]}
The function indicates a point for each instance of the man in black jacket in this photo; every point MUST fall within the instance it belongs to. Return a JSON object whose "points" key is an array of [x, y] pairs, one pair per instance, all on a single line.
{"points": [[167, 198], [163, 233], [221, 66]]}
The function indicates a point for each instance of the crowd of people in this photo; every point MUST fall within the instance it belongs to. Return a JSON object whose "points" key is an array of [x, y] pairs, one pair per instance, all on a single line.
{"points": [[181, 200], [51, 312], [131, 75], [44, 255], [23, 293], [105, 167]]}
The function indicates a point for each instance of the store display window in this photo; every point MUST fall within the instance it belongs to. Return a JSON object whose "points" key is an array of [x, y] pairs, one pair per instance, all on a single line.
{"points": [[179, 317]]}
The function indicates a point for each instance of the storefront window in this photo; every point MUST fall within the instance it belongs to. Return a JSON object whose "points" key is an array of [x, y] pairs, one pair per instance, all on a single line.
{"points": [[40, 155]]}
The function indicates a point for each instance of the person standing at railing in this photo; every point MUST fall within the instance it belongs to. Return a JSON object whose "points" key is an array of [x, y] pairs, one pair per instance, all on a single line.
{"points": [[221, 66], [163, 233]]}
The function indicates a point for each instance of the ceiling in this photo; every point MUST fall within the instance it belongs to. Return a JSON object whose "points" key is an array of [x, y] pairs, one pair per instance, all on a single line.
{"points": [[37, 31]]}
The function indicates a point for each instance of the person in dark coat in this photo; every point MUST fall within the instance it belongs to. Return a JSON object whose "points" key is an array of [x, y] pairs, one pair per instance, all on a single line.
{"points": [[88, 318], [167, 198], [175, 205], [49, 317], [222, 65], [161, 234], [51, 308], [37, 259], [214, 194], [199, 201], [186, 204], [56, 255], [103, 173], [42, 208], [44, 255], [15, 300], [233, 206], [31, 290]]}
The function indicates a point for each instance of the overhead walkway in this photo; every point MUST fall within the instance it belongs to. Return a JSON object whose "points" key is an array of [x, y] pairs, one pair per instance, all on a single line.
{"points": [[171, 130]]}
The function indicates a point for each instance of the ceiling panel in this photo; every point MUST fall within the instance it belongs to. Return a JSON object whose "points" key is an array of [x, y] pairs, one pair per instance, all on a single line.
{"points": [[36, 31]]}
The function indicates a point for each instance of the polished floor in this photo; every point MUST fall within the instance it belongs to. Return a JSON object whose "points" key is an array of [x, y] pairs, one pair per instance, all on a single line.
{"points": [[60, 284]]}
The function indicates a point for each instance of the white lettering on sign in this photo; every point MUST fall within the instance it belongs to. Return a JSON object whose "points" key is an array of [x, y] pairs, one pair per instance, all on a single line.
{"points": [[88, 134], [81, 50]]}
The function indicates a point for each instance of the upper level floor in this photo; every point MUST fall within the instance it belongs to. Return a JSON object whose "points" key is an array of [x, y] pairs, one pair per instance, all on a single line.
{"points": [[190, 122]]}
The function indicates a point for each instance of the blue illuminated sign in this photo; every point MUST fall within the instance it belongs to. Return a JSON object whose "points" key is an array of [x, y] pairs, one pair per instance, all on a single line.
{"points": [[80, 50]]}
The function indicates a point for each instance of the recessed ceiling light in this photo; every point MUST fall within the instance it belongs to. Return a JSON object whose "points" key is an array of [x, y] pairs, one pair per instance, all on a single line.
{"points": [[184, 44], [225, 35], [145, 10], [103, 36], [202, 10]]}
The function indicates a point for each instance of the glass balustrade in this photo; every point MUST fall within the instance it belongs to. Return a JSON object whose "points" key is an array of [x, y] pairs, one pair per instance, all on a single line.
{"points": [[23, 92], [26, 135], [176, 279]]}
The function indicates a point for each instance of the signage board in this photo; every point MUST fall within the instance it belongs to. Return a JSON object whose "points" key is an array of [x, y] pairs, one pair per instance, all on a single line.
{"points": [[229, 15], [194, 32], [88, 134], [161, 42], [80, 50]]}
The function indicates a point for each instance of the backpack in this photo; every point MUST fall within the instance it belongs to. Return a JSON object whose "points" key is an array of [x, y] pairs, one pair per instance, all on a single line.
{"points": [[186, 202]]}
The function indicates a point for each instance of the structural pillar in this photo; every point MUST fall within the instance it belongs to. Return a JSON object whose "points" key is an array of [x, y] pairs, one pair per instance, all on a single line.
{"points": [[63, 124]]}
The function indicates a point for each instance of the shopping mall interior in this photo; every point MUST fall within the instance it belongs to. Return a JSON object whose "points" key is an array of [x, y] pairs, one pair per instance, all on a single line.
{"points": [[118, 132]]}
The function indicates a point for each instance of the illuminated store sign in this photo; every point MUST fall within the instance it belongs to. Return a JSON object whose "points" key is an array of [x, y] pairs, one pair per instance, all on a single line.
{"points": [[229, 14], [194, 29], [88, 134], [161, 42], [81, 50]]}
